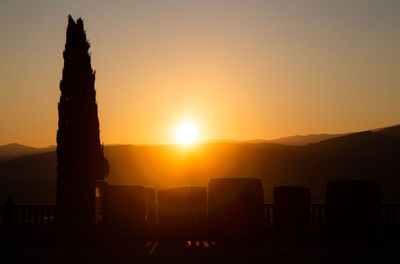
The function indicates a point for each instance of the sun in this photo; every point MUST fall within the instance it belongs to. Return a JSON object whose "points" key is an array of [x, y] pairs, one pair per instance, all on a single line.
{"points": [[186, 133]]}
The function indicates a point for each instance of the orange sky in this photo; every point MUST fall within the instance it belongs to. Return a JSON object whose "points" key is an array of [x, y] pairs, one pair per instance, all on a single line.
{"points": [[238, 69]]}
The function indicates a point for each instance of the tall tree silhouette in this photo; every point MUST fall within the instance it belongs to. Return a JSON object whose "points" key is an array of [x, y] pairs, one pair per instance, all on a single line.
{"points": [[79, 152]]}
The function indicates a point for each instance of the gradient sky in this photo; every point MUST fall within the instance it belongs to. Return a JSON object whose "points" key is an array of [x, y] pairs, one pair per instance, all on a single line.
{"points": [[238, 69]]}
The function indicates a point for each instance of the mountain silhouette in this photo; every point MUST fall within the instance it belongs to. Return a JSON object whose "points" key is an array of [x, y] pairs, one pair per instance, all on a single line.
{"points": [[390, 131], [298, 140], [369, 155], [15, 150], [29, 178], [301, 140]]}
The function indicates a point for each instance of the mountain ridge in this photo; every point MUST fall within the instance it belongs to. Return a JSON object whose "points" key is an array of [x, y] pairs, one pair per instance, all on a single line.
{"points": [[364, 155], [15, 150]]}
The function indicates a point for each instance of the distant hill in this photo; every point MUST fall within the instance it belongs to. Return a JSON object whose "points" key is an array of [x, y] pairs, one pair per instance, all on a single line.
{"points": [[369, 155], [389, 131], [15, 150], [301, 140], [298, 140], [29, 178]]}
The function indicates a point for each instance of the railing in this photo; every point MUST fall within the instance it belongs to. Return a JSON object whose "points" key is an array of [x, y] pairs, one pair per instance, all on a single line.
{"points": [[45, 213], [268, 214], [318, 213], [390, 214], [31, 214]]}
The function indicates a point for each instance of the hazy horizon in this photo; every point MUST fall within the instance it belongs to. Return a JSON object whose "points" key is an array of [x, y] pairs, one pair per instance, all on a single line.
{"points": [[278, 140], [239, 70]]}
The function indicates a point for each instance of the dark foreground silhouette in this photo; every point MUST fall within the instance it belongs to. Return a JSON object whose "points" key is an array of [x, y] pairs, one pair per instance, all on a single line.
{"points": [[80, 159], [230, 209], [203, 252], [34, 243]]}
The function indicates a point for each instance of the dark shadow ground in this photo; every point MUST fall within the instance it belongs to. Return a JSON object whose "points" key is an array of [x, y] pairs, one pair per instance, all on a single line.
{"points": [[199, 252]]}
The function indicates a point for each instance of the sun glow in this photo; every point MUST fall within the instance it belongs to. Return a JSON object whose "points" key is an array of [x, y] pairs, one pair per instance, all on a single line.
{"points": [[186, 133]]}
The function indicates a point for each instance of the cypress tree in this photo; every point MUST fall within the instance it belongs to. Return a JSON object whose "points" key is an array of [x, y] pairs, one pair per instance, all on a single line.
{"points": [[80, 159]]}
